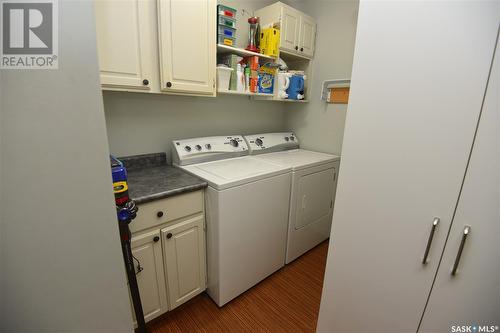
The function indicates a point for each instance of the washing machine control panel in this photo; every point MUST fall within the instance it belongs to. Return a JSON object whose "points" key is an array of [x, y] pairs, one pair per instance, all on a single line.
{"points": [[271, 142], [205, 149]]}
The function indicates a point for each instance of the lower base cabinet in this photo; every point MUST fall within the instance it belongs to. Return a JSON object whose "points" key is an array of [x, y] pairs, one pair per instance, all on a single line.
{"points": [[169, 252], [148, 263], [184, 256]]}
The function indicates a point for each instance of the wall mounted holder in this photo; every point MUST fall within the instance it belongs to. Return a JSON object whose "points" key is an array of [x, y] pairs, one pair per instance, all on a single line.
{"points": [[336, 91]]}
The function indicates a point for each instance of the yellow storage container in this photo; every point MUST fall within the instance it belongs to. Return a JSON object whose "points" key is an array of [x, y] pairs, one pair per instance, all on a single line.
{"points": [[270, 41]]}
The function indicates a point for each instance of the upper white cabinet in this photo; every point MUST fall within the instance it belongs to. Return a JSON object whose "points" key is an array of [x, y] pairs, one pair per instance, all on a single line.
{"points": [[157, 46], [187, 46], [290, 22], [298, 30], [126, 43], [307, 36]]}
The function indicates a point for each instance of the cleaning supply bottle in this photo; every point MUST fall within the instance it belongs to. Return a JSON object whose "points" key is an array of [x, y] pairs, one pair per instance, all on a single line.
{"points": [[247, 79], [240, 79]]}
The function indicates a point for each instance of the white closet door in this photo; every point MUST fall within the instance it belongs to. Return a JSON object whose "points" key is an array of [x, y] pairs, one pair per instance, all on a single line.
{"points": [[419, 75], [472, 295]]}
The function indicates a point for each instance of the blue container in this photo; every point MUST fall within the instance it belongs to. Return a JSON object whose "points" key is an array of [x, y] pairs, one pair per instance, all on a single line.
{"points": [[226, 31], [296, 87]]}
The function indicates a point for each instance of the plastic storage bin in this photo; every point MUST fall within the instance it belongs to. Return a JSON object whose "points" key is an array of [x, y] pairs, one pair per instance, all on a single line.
{"points": [[223, 78], [226, 11], [227, 22], [226, 31], [221, 39]]}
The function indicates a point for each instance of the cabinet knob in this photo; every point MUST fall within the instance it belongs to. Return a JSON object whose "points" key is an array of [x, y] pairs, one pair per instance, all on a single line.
{"points": [[296, 47], [159, 214], [169, 84], [156, 238], [145, 82], [301, 49], [169, 235]]}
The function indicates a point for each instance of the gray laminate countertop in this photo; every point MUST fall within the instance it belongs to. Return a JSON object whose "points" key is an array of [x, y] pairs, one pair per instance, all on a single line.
{"points": [[153, 179]]}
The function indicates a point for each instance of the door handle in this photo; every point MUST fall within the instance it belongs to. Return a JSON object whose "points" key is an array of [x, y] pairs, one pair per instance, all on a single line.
{"points": [[435, 223], [460, 249]]}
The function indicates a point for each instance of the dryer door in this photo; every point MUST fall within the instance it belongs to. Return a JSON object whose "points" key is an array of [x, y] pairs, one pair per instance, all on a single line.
{"points": [[314, 196]]}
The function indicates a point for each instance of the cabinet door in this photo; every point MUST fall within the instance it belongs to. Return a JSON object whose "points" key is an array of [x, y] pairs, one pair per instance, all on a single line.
{"points": [[150, 276], [290, 21], [404, 157], [124, 43], [471, 297], [307, 36], [187, 46], [185, 264]]}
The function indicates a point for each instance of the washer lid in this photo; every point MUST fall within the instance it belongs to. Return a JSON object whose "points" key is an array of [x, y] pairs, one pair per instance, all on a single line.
{"points": [[299, 158], [235, 171]]}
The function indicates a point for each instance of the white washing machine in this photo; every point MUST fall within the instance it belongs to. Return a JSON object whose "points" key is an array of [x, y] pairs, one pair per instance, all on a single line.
{"points": [[314, 182], [246, 203]]}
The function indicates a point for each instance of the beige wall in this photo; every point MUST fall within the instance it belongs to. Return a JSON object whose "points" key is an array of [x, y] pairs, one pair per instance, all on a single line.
{"points": [[320, 126], [143, 123], [61, 263]]}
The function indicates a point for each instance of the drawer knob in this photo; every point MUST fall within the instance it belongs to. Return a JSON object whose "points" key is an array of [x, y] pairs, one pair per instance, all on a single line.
{"points": [[159, 214], [145, 82], [169, 235], [302, 49], [156, 238], [169, 84]]}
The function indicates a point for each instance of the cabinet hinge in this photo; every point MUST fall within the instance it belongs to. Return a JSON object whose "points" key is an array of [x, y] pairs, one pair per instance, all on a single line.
{"points": [[334, 176], [331, 203], [213, 80]]}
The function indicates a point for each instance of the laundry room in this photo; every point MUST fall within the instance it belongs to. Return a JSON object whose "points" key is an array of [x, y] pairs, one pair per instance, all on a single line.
{"points": [[249, 166]]}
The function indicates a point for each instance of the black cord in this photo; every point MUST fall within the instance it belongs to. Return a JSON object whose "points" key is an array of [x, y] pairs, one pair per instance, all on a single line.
{"points": [[139, 267]]}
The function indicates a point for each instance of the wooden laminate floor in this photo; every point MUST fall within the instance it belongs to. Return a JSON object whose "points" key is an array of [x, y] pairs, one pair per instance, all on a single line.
{"points": [[287, 301]]}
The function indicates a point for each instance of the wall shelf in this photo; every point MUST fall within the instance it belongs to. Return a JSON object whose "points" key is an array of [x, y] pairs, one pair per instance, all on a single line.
{"points": [[293, 100], [221, 49], [232, 92]]}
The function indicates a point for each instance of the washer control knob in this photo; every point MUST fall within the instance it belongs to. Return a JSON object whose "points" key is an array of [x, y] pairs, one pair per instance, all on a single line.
{"points": [[198, 147], [187, 148], [208, 146], [258, 142], [233, 142], [287, 139]]}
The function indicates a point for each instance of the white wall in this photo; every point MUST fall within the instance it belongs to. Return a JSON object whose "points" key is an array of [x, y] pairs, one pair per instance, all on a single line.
{"points": [[320, 126], [145, 123], [60, 259]]}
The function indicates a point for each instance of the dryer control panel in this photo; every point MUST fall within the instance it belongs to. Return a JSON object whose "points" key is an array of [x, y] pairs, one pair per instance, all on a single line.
{"points": [[206, 149], [271, 142]]}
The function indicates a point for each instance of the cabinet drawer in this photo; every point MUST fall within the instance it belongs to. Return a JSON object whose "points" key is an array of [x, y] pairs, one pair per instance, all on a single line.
{"points": [[165, 210]]}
